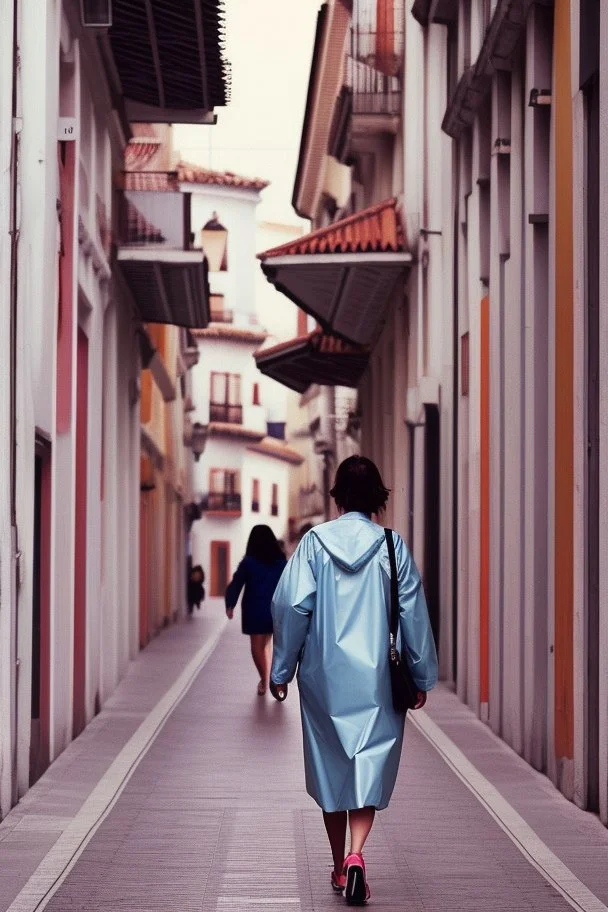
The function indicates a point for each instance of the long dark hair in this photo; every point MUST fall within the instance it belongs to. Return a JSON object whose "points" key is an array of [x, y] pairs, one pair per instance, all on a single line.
{"points": [[359, 486], [263, 545]]}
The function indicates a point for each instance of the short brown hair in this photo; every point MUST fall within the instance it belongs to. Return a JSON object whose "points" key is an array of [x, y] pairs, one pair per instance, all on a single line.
{"points": [[359, 487]]}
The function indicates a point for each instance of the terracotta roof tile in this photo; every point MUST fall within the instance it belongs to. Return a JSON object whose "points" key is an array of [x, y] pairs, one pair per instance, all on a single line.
{"points": [[317, 340], [188, 173], [376, 229], [225, 429], [231, 333], [270, 446], [155, 181], [185, 173]]}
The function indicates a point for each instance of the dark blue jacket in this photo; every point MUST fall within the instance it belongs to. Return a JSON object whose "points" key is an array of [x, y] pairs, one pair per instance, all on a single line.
{"points": [[260, 580]]}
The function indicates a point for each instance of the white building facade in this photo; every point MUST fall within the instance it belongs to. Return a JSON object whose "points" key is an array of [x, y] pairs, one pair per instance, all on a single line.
{"points": [[243, 476], [71, 329]]}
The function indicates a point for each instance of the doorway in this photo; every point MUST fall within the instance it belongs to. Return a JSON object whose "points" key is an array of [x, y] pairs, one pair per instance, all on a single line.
{"points": [[80, 546], [220, 567], [41, 664]]}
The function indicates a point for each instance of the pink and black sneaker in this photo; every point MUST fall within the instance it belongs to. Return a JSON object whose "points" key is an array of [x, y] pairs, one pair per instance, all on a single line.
{"points": [[356, 891]]}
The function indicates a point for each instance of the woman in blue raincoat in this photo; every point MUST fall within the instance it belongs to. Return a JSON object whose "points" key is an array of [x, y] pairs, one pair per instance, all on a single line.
{"points": [[331, 620]]}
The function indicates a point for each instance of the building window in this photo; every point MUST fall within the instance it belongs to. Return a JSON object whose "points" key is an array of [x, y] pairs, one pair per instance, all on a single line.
{"points": [[255, 496], [256, 394], [224, 491], [274, 506], [464, 364], [225, 404]]}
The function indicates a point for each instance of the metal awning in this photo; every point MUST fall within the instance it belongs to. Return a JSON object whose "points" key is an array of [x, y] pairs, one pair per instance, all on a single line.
{"points": [[168, 59], [344, 275], [167, 286], [167, 277], [316, 358]]}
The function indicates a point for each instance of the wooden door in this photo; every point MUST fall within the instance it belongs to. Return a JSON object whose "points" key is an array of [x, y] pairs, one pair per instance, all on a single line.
{"points": [[40, 706], [220, 567]]}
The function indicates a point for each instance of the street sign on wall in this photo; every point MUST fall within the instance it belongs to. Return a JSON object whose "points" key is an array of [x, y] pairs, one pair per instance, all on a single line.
{"points": [[67, 129]]}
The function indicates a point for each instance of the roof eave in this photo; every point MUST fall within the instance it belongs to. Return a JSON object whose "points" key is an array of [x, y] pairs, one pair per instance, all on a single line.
{"points": [[332, 20]]}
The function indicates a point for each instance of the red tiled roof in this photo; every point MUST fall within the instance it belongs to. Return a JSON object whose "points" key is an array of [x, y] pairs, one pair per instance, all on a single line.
{"points": [[376, 229], [140, 150], [225, 429], [270, 446], [188, 173], [185, 173], [156, 181], [316, 358], [231, 333], [319, 341]]}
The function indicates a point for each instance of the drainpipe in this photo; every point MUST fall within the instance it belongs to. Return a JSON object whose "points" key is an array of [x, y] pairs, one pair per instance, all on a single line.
{"points": [[8, 315]]}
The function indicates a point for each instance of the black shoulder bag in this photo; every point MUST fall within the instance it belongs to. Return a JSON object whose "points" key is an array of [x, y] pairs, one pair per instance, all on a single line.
{"points": [[405, 692]]}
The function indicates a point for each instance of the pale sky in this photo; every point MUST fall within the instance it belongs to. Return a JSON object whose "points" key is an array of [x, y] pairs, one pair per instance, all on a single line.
{"points": [[269, 44]]}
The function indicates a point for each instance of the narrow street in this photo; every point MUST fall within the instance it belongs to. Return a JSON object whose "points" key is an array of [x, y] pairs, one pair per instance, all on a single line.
{"points": [[208, 811]]}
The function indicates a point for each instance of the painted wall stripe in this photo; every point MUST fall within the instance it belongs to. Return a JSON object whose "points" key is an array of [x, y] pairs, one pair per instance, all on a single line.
{"points": [[57, 864], [521, 834]]}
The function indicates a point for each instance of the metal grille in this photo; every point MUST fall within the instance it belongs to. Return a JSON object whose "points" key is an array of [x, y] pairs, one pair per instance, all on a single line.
{"points": [[375, 60]]}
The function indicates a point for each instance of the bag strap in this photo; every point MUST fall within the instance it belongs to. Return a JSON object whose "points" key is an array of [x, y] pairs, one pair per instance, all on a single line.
{"points": [[394, 623]]}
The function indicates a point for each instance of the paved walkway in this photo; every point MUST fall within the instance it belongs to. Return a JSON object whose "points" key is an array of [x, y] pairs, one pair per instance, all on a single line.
{"points": [[187, 794]]}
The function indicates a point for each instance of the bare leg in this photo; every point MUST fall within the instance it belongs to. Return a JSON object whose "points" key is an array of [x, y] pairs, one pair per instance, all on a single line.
{"points": [[335, 824], [260, 651], [361, 821], [257, 654]]}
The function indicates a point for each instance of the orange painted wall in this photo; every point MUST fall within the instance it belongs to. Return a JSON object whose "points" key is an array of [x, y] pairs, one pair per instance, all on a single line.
{"points": [[564, 442], [484, 507]]}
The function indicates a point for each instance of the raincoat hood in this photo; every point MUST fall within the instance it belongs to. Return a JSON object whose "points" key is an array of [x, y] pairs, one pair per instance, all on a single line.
{"points": [[350, 541]]}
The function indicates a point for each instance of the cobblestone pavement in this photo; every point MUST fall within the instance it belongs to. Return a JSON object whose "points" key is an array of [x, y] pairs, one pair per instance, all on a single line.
{"points": [[215, 815]]}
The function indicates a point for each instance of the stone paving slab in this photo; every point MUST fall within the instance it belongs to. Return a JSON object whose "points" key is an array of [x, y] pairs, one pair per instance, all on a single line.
{"points": [[216, 816], [34, 825], [577, 837]]}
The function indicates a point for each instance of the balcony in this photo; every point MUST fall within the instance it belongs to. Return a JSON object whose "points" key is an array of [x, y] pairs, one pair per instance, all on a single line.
{"points": [[222, 316], [223, 502], [165, 274], [222, 411], [373, 76]]}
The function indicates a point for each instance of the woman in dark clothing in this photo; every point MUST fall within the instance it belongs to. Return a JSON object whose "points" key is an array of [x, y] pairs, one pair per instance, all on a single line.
{"points": [[196, 590], [259, 573]]}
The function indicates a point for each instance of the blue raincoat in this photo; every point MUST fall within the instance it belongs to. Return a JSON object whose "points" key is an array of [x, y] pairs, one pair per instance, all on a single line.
{"points": [[331, 618]]}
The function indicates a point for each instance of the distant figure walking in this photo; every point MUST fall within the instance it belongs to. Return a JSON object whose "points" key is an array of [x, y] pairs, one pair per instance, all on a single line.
{"points": [[331, 614], [196, 590], [259, 572]]}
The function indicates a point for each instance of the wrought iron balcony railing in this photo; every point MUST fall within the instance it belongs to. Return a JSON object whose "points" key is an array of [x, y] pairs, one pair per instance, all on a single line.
{"points": [[222, 502], [156, 218], [374, 67], [221, 411]]}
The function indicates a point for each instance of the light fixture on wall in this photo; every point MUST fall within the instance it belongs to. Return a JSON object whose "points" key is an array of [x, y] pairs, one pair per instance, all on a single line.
{"points": [[214, 240], [539, 98], [199, 439], [96, 13]]}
